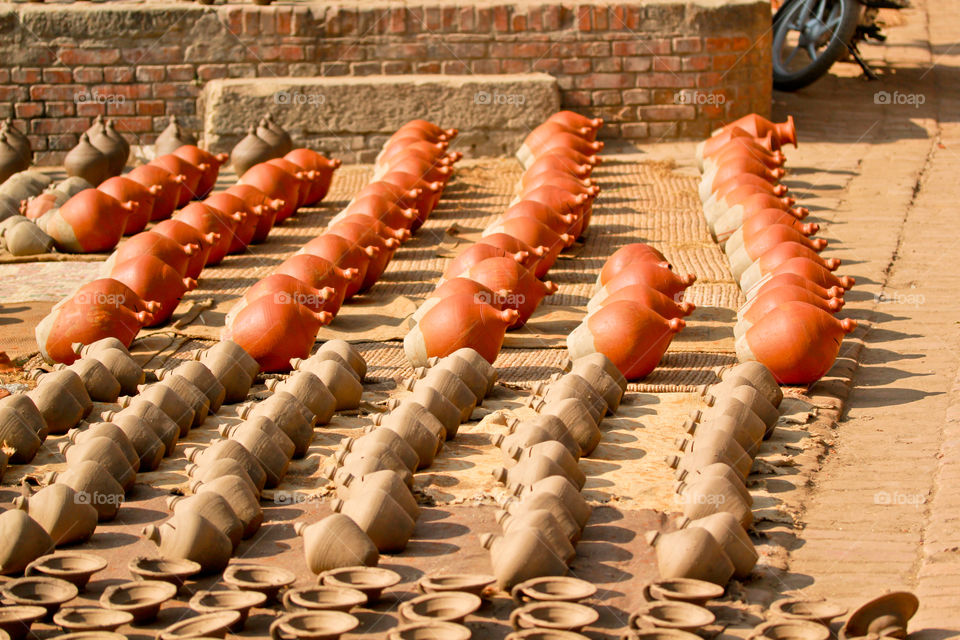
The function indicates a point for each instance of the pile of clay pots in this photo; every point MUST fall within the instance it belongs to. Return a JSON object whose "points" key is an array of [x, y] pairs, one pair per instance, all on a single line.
{"points": [[16, 155], [279, 317], [145, 278], [546, 517], [712, 543], [635, 312], [792, 294], [18, 233], [495, 285]]}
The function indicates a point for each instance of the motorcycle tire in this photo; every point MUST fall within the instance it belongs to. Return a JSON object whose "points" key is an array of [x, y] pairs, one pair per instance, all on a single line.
{"points": [[785, 80]]}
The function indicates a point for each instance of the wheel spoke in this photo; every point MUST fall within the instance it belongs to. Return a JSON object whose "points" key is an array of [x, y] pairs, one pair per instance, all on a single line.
{"points": [[792, 55], [812, 50]]}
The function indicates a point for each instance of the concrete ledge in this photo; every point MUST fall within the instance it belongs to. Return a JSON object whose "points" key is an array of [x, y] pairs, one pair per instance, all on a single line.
{"points": [[493, 112]]}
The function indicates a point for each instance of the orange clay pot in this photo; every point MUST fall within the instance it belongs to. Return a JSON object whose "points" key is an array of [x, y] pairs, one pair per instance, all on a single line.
{"points": [[738, 165], [425, 169], [541, 135], [403, 198], [428, 198], [479, 252], [774, 257], [153, 279], [233, 206], [514, 245], [525, 290], [739, 181], [460, 286], [652, 274], [375, 225], [558, 178], [323, 169], [627, 255], [570, 154], [110, 290], [363, 236], [127, 190], [762, 146], [207, 219], [184, 235], [89, 222], [456, 322], [803, 266], [573, 119], [559, 199], [650, 298], [710, 146], [319, 273], [757, 222], [756, 243], [304, 177], [383, 209], [797, 341], [550, 163], [285, 288], [733, 151], [345, 255], [558, 222], [396, 144], [211, 162], [193, 174], [535, 234], [273, 332], [275, 183], [797, 279], [632, 336], [772, 298], [758, 126], [426, 130], [170, 186], [269, 207], [565, 140], [160, 246]]}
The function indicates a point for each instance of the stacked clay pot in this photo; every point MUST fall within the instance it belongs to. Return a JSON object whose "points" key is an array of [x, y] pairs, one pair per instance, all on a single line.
{"points": [[544, 521], [279, 317], [18, 234], [788, 321], [712, 543], [264, 142], [636, 311], [495, 285], [145, 278], [373, 474]]}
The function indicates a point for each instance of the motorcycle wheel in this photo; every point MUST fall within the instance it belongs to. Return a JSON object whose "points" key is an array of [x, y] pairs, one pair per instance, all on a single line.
{"points": [[808, 37]]}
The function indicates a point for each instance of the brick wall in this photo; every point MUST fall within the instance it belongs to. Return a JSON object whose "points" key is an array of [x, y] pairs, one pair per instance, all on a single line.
{"points": [[653, 70]]}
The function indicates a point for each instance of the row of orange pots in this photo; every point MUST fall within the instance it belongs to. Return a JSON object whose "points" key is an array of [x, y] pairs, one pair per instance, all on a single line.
{"points": [[494, 285], [279, 317], [788, 322]]}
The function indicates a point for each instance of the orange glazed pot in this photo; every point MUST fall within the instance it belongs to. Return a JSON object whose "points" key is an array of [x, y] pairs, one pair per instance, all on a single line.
{"points": [[809, 270], [211, 163], [319, 273], [383, 209], [364, 236], [525, 290], [269, 207], [772, 297], [124, 190], [650, 298], [797, 341], [323, 169], [285, 288], [758, 126], [275, 183], [426, 169], [478, 253], [305, 177], [374, 225], [573, 119], [514, 245], [170, 186], [430, 192], [149, 243], [233, 206], [545, 215], [652, 274], [273, 332], [552, 162], [534, 234], [426, 130], [207, 219], [627, 255], [632, 335], [193, 174], [184, 234], [784, 279], [153, 279], [345, 255], [88, 222]]}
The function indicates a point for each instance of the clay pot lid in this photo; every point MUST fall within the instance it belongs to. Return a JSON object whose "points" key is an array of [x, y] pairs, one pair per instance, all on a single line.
{"points": [[566, 616], [49, 593], [16, 620], [448, 606], [683, 590], [258, 577], [430, 630], [92, 635], [370, 580], [91, 619], [317, 625], [672, 614], [659, 634], [72, 566], [226, 600], [813, 609], [209, 625], [323, 598], [475, 583], [790, 630], [172, 570], [553, 589], [141, 598], [882, 615]]}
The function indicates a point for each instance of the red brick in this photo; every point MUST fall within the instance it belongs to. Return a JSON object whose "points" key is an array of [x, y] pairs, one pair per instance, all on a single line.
{"points": [[55, 92], [180, 108], [618, 19], [709, 79], [180, 72], [713, 45], [58, 125], [514, 50], [467, 49], [428, 67], [291, 53], [636, 96], [28, 109], [547, 65], [268, 21], [535, 19], [725, 61], [59, 109], [552, 17], [396, 67], [575, 65], [449, 19], [272, 69], [168, 90], [234, 20], [607, 98], [606, 81], [687, 45], [151, 73], [37, 142], [577, 99], [696, 63], [4, 76], [641, 47], [62, 142], [57, 76], [467, 19], [211, 71], [334, 69], [666, 63], [137, 124], [634, 130], [121, 108], [668, 113], [251, 21], [634, 16], [128, 91], [364, 68], [608, 65], [515, 66], [501, 19], [636, 63], [518, 23], [484, 19], [485, 66], [284, 20], [398, 20], [431, 19], [88, 75], [239, 70], [661, 130], [150, 107], [593, 49], [741, 44], [118, 74], [584, 18], [26, 75], [13, 94], [454, 67], [73, 56], [664, 79], [91, 109], [601, 20]]}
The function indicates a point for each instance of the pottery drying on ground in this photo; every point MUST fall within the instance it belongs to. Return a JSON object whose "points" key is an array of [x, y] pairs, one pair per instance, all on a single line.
{"points": [[94, 481], [172, 138], [28, 541], [692, 553], [457, 322]]}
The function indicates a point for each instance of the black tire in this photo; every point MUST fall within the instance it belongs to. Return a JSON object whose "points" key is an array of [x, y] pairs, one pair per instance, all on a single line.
{"points": [[785, 79]]}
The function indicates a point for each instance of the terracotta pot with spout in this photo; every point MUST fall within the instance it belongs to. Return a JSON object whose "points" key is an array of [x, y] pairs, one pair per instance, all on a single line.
{"points": [[151, 278], [190, 536], [276, 183], [344, 255], [89, 222], [334, 542], [521, 556], [168, 197], [505, 274], [193, 174], [319, 273], [534, 234], [210, 163], [323, 167], [26, 541], [209, 220], [764, 219], [127, 190], [274, 331], [758, 126], [380, 517], [477, 253], [770, 261], [233, 206], [257, 199], [650, 298], [363, 236], [652, 274], [692, 553], [167, 250]]}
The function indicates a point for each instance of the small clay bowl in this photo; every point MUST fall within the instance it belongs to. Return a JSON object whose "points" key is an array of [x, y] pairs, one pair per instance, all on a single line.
{"points": [[228, 600], [143, 599], [566, 616], [174, 571], [545, 634], [790, 630], [49, 593], [672, 614], [370, 580], [71, 566], [474, 583], [91, 635], [659, 634], [16, 621], [313, 625], [258, 577], [436, 630], [818, 610], [73, 619], [683, 590], [207, 625], [553, 589], [447, 606], [323, 598]]}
